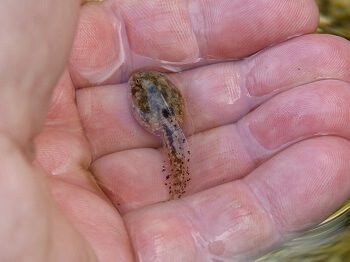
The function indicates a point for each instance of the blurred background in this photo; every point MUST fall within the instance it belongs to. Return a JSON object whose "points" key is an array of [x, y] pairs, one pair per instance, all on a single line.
{"points": [[335, 17]]}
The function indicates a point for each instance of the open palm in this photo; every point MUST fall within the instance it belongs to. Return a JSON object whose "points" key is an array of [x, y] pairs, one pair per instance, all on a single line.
{"points": [[268, 134]]}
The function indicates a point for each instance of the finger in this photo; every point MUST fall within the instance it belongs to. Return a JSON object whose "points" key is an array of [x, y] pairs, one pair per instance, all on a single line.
{"points": [[118, 36], [29, 67], [63, 153], [61, 148], [242, 219], [215, 95], [230, 152], [95, 219]]}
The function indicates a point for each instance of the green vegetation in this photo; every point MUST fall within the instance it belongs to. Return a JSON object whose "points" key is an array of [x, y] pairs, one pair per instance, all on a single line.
{"points": [[335, 17]]}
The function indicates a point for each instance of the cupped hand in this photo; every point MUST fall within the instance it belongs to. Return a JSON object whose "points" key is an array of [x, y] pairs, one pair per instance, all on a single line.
{"points": [[267, 116]]}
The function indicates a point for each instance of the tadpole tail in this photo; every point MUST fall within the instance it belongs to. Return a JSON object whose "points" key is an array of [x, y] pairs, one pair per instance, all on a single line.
{"points": [[178, 157]]}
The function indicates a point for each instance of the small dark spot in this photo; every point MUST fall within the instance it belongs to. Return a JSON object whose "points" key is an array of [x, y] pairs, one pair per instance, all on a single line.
{"points": [[189, 152], [183, 140], [165, 113], [167, 177]]}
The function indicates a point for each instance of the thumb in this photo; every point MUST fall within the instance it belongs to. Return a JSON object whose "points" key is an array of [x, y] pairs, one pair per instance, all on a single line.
{"points": [[35, 39], [36, 36]]}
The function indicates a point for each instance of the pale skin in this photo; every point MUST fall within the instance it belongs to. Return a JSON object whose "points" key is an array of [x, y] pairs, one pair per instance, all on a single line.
{"points": [[90, 187]]}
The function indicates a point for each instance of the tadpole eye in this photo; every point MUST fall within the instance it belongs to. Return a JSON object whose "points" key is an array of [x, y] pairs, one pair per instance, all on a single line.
{"points": [[165, 113]]}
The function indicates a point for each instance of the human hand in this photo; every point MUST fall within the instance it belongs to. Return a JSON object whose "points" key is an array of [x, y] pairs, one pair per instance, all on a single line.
{"points": [[260, 170]]}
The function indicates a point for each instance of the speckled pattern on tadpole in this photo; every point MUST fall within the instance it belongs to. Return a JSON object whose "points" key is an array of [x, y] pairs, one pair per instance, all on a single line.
{"points": [[159, 107]]}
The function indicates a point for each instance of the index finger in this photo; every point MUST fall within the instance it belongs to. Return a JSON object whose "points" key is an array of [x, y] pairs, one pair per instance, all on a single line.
{"points": [[118, 36]]}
